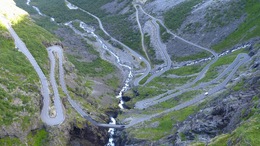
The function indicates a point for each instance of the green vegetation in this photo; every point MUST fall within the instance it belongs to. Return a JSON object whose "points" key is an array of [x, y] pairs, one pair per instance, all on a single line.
{"points": [[16, 72], [61, 13], [246, 134], [36, 40], [93, 6], [89, 84], [113, 82], [213, 69], [145, 79], [192, 27], [224, 14], [41, 21], [76, 24], [166, 124], [147, 92], [158, 86], [96, 68], [143, 64], [11, 141], [183, 137], [163, 33], [222, 139], [198, 144], [239, 86], [151, 50], [116, 44], [248, 29], [7, 111], [199, 55], [177, 100], [38, 138], [102, 34], [186, 70], [168, 83], [123, 30], [12, 60], [45, 23], [161, 84], [175, 16], [22, 4]]}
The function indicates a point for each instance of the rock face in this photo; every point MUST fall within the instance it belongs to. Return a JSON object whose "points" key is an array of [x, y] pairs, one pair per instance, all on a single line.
{"points": [[222, 115], [88, 136]]}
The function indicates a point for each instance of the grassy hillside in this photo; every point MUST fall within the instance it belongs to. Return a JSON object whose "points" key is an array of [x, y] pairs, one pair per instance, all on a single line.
{"points": [[176, 15], [165, 125], [95, 68], [19, 84], [163, 33], [246, 134], [36, 39], [20, 98], [17, 75], [61, 13], [248, 29], [35, 138], [123, 30], [93, 6], [224, 13], [215, 68]]}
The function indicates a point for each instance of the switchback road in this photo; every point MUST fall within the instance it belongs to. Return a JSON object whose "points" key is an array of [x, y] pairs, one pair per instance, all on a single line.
{"points": [[240, 60], [59, 118]]}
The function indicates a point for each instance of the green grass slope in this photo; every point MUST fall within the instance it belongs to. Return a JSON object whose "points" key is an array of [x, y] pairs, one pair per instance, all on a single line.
{"points": [[250, 28], [246, 134], [16, 74], [175, 16], [36, 39]]}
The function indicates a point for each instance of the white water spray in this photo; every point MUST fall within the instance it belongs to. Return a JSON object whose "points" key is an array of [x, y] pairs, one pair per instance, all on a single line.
{"points": [[28, 2], [70, 6], [111, 132]]}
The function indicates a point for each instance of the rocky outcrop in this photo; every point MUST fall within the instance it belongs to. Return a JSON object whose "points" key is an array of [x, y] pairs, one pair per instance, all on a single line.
{"points": [[222, 115], [89, 135]]}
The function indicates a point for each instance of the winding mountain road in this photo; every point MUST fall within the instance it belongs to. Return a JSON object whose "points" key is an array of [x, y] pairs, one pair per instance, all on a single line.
{"points": [[202, 73], [59, 52], [141, 31], [155, 31], [176, 36], [135, 54], [233, 67], [59, 118], [240, 60]]}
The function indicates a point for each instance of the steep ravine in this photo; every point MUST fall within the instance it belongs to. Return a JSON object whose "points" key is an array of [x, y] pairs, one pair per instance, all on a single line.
{"points": [[89, 135]]}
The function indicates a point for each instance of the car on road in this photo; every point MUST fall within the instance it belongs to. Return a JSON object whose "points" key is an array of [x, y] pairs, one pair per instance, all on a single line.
{"points": [[206, 93]]}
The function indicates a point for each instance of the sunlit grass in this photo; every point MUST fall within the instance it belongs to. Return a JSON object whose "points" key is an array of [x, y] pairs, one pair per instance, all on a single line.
{"points": [[11, 12]]}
